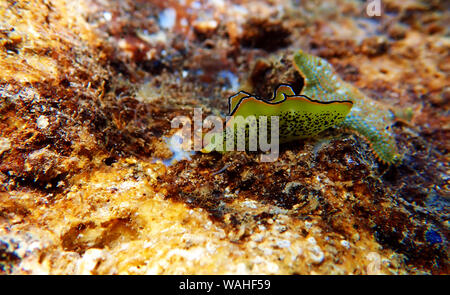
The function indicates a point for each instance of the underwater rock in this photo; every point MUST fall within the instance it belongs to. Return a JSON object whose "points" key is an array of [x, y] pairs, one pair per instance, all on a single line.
{"points": [[87, 93]]}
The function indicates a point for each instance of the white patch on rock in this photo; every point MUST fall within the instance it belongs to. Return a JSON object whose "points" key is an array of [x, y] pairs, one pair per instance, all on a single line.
{"points": [[42, 122]]}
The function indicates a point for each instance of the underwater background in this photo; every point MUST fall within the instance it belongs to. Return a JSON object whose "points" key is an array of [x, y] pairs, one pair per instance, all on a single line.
{"points": [[93, 179]]}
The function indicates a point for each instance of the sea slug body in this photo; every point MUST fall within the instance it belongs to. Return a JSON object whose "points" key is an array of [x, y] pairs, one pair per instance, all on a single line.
{"points": [[368, 118], [299, 116]]}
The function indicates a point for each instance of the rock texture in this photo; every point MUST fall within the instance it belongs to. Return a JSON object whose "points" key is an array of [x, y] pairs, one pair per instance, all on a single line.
{"points": [[87, 93]]}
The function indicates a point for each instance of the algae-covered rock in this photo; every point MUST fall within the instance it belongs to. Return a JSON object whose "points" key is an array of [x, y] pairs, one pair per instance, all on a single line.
{"points": [[90, 184]]}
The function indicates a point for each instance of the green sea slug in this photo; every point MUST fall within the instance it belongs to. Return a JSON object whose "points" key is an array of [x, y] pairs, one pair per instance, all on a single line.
{"points": [[279, 95], [325, 101], [298, 115], [368, 118]]}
